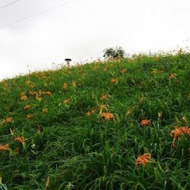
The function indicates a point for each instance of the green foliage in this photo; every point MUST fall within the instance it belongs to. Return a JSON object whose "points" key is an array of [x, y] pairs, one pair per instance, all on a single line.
{"points": [[68, 145], [117, 52]]}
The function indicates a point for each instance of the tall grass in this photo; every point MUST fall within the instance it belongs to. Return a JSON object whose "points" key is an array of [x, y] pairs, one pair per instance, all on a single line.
{"points": [[65, 148]]}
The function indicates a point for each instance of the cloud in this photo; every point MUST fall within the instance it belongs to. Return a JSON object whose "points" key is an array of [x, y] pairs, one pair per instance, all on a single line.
{"points": [[82, 29]]}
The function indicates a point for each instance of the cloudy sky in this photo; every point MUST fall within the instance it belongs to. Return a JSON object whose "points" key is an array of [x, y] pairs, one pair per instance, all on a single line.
{"points": [[36, 33]]}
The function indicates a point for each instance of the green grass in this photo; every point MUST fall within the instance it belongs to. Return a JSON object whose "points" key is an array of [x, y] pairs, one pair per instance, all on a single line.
{"points": [[76, 151]]}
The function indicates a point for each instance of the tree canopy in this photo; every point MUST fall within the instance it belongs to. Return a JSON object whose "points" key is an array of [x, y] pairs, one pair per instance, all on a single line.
{"points": [[117, 52]]}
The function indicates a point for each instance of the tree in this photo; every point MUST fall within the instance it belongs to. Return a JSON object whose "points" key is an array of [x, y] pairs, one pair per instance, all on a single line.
{"points": [[120, 52], [117, 52]]}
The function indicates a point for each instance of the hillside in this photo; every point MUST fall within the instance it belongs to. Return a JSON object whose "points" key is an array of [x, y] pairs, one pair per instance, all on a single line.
{"points": [[100, 126]]}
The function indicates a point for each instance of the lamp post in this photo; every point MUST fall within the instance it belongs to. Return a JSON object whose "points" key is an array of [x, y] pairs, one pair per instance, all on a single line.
{"points": [[68, 60]]}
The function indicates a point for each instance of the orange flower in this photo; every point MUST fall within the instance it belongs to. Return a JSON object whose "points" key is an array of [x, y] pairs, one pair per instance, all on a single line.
{"points": [[27, 107], [93, 111], [90, 112], [107, 116], [33, 93], [20, 139], [65, 86], [66, 101], [145, 122], [104, 97], [115, 80], [143, 159], [123, 71], [173, 76], [8, 120], [45, 93], [38, 98], [29, 83], [29, 116], [4, 147], [178, 132], [45, 110], [23, 97]]}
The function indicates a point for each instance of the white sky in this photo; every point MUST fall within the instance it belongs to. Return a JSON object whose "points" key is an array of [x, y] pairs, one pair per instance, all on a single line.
{"points": [[36, 33]]}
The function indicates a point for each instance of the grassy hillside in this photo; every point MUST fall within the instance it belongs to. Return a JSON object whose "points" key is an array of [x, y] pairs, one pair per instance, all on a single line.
{"points": [[85, 127]]}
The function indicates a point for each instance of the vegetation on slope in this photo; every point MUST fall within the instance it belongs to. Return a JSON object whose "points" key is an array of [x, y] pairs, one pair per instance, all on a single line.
{"points": [[88, 127]]}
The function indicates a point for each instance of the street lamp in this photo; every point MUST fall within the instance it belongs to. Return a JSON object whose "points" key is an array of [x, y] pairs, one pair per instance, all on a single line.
{"points": [[68, 60]]}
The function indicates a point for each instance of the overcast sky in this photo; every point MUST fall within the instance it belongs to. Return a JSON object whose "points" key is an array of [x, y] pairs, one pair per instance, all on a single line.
{"points": [[36, 33]]}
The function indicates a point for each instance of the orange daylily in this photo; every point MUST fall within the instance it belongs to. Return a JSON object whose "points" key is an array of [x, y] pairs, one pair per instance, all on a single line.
{"points": [[104, 97], [8, 120], [115, 80], [65, 85], [33, 93], [178, 132], [123, 71], [29, 116], [145, 122], [29, 83], [45, 93], [20, 139], [107, 116], [45, 110], [4, 147], [173, 76], [38, 98], [27, 107], [38, 94], [23, 97], [90, 112], [66, 101], [143, 159]]}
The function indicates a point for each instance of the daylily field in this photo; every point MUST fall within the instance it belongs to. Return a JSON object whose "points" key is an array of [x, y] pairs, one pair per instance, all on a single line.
{"points": [[120, 125]]}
